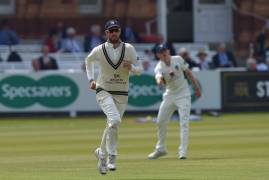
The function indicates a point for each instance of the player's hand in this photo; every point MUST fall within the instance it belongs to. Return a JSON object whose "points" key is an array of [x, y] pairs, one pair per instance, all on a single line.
{"points": [[161, 81], [93, 84], [127, 64], [198, 92]]}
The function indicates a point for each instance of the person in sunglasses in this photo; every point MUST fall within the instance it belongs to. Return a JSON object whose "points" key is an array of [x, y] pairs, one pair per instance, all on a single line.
{"points": [[116, 60], [173, 73]]}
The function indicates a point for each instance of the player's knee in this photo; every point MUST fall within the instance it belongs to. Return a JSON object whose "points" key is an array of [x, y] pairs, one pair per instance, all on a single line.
{"points": [[114, 120], [115, 116], [161, 122], [114, 124]]}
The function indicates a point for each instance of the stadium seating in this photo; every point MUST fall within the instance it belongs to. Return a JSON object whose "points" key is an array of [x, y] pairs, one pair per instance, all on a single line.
{"points": [[143, 46], [28, 52], [191, 46], [7, 66]]}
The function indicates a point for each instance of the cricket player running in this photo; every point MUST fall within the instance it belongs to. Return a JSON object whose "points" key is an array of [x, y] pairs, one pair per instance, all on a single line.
{"points": [[116, 59], [171, 72]]}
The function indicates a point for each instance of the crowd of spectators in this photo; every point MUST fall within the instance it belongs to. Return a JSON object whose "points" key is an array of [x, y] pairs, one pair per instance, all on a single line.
{"points": [[64, 39], [259, 52]]}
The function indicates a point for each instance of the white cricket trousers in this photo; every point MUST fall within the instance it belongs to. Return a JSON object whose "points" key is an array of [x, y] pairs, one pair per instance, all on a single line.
{"points": [[167, 108], [114, 112]]}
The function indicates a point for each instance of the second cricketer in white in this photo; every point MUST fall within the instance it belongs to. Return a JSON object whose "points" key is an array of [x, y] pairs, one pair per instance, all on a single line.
{"points": [[116, 59], [171, 71]]}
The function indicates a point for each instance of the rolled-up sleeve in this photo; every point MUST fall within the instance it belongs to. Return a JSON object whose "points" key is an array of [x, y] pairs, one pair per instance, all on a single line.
{"points": [[136, 62]]}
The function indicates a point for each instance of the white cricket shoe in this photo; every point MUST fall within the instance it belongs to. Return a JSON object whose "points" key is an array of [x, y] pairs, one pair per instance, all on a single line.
{"points": [[156, 154], [111, 164], [182, 157], [101, 165]]}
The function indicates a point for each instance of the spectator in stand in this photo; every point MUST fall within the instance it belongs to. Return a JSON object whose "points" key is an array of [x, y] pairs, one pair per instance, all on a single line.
{"points": [[224, 58], [94, 38], [251, 64], [53, 41], [263, 42], [261, 65], [183, 52], [257, 63], [61, 29], [8, 36], [129, 34], [71, 44], [148, 63], [13, 56], [45, 62], [203, 62]]}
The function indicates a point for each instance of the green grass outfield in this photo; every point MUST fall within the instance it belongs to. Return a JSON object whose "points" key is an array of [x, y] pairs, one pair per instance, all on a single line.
{"points": [[229, 147]]}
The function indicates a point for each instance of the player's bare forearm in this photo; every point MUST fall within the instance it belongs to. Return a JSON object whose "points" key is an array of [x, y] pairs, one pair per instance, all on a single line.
{"points": [[194, 82]]}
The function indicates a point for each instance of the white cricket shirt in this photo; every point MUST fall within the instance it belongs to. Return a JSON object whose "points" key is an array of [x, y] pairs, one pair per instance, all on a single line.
{"points": [[113, 77], [175, 82]]}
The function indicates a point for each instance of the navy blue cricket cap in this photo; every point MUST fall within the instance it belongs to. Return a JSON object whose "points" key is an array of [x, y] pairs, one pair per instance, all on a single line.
{"points": [[112, 24], [161, 47]]}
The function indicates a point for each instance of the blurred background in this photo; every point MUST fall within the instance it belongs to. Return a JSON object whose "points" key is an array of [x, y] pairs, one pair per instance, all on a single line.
{"points": [[43, 45]]}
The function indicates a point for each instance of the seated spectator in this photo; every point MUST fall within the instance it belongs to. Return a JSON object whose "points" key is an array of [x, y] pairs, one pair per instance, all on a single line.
{"points": [[260, 62], [203, 62], [183, 52], [147, 62], [70, 44], [94, 38], [129, 34], [257, 63], [53, 42], [263, 42], [251, 64], [8, 36], [224, 58], [45, 62], [14, 57], [61, 29], [261, 65]]}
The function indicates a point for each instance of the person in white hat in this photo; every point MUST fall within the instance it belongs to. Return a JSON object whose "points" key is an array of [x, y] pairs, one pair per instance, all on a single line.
{"points": [[204, 63], [71, 44]]}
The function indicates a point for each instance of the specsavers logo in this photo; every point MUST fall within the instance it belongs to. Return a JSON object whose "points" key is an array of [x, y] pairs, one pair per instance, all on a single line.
{"points": [[144, 91], [51, 91]]}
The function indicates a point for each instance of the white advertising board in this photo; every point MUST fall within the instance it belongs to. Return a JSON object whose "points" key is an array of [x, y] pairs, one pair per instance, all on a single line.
{"points": [[59, 91]]}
